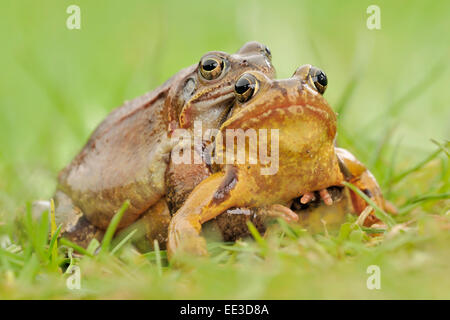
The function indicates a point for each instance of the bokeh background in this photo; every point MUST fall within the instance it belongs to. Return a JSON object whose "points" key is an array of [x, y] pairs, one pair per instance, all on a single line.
{"points": [[389, 86]]}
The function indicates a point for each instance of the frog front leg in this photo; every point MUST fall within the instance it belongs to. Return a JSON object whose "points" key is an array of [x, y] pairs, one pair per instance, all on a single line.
{"points": [[212, 197], [185, 226]]}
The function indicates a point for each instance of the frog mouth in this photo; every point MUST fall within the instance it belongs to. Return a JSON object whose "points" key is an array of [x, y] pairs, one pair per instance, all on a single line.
{"points": [[216, 106], [281, 110]]}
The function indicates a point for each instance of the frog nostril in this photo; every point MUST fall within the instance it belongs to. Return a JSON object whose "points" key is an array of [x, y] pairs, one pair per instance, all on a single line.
{"points": [[244, 63], [189, 88]]}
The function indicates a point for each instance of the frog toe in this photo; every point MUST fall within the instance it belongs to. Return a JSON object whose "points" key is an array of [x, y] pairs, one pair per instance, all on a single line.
{"points": [[280, 211], [186, 244], [326, 197]]}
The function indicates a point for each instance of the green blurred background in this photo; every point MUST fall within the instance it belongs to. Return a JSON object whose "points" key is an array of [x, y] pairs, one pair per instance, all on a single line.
{"points": [[58, 84], [389, 86]]}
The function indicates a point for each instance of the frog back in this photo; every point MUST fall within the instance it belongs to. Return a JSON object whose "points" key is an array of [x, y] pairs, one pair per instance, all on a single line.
{"points": [[124, 159]]}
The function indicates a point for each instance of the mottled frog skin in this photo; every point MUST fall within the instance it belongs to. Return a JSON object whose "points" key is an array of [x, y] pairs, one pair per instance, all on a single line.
{"points": [[128, 156], [308, 158]]}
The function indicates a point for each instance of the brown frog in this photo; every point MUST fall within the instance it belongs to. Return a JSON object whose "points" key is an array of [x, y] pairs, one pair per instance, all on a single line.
{"points": [[306, 153], [128, 156]]}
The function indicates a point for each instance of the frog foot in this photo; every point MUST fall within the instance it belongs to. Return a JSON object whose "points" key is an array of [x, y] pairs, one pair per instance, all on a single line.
{"points": [[280, 211], [310, 196], [188, 244]]}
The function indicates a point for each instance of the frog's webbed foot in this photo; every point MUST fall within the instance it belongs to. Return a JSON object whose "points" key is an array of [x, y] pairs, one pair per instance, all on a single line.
{"points": [[310, 196], [184, 236], [187, 242], [217, 197], [280, 211]]}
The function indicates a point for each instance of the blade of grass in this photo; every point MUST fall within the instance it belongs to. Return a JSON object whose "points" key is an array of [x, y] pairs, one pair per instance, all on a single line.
{"points": [[123, 241], [60, 103], [113, 226], [38, 236], [382, 142], [41, 237], [151, 256], [28, 224], [363, 216], [379, 213], [429, 197], [12, 257], [258, 238], [223, 256], [315, 50], [79, 249], [373, 230], [4, 263], [53, 249], [235, 248], [158, 257], [418, 166], [445, 172], [349, 90], [290, 232], [71, 261], [391, 168], [443, 147], [413, 203], [54, 231], [398, 105], [30, 270], [92, 246]]}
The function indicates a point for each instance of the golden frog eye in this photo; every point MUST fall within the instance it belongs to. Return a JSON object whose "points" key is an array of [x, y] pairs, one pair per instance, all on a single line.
{"points": [[246, 87], [211, 67], [319, 78]]}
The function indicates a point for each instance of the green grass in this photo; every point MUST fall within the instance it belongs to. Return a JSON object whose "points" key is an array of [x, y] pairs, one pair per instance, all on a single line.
{"points": [[390, 88]]}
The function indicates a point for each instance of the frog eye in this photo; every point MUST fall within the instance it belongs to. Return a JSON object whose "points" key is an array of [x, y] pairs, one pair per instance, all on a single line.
{"points": [[319, 78], [246, 87], [211, 67]]}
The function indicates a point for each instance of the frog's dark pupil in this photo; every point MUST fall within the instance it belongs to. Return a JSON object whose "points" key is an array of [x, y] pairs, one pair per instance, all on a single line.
{"points": [[210, 65], [268, 52], [242, 85], [322, 79]]}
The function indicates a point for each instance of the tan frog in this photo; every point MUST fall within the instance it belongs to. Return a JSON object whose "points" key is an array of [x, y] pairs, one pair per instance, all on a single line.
{"points": [[307, 157], [128, 156]]}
